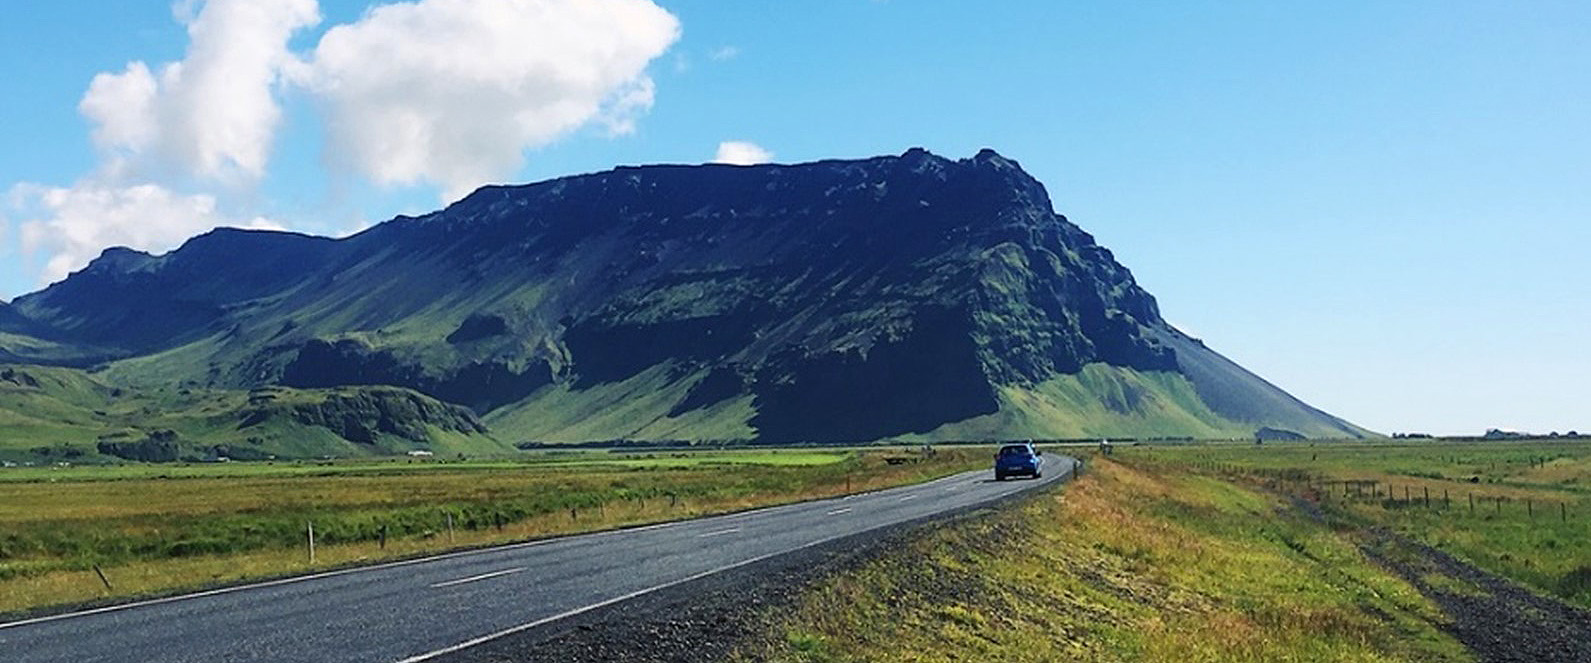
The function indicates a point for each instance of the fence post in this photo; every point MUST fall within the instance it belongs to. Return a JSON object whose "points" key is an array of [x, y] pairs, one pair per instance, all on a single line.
{"points": [[450, 528], [1530, 508], [383, 537], [1427, 497], [102, 578], [309, 527], [1472, 503]]}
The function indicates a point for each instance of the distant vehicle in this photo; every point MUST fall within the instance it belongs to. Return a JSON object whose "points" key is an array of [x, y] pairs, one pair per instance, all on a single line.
{"points": [[1018, 459]]}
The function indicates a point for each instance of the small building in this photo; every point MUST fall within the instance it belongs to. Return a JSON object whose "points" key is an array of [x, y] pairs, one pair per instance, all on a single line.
{"points": [[420, 453]]}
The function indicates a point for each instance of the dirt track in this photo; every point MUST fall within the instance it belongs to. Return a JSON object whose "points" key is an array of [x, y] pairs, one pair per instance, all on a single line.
{"points": [[1501, 621]]}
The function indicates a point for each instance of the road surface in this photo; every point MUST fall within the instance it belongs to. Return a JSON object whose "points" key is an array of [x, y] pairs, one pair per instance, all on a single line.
{"points": [[419, 610]]}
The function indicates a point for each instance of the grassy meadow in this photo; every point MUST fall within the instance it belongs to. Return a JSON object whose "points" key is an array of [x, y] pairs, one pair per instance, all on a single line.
{"points": [[1213, 552], [1518, 509], [1127, 563], [158, 528]]}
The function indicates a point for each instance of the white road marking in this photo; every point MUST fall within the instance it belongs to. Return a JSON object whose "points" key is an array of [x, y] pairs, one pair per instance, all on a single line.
{"points": [[837, 512], [602, 604], [341, 572], [482, 576], [445, 556], [721, 532], [563, 538], [907, 497]]}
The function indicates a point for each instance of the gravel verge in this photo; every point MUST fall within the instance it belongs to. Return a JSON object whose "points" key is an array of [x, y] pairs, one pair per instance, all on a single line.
{"points": [[1498, 619], [706, 619]]}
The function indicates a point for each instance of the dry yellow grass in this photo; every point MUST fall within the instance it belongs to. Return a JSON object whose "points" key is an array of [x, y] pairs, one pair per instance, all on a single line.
{"points": [[1125, 564], [593, 498]]}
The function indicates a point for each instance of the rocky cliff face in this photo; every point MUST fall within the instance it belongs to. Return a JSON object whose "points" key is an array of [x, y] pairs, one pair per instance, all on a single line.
{"points": [[831, 301], [363, 415]]}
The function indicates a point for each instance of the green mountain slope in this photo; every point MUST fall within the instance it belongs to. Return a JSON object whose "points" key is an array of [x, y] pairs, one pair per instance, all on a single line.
{"points": [[835, 301], [65, 414]]}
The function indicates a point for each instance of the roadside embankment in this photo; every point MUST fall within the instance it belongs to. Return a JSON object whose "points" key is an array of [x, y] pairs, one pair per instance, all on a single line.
{"points": [[1125, 564]]}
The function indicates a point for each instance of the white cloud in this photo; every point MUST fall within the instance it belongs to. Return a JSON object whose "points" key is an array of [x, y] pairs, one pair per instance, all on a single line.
{"points": [[723, 53], [443, 92], [742, 153], [452, 92], [70, 226], [215, 113], [212, 116]]}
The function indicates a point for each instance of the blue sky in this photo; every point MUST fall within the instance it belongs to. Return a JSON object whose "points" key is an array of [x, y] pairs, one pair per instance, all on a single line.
{"points": [[1383, 207]]}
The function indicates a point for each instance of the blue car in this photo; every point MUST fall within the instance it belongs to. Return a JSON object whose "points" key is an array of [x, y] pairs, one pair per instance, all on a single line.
{"points": [[1018, 459]]}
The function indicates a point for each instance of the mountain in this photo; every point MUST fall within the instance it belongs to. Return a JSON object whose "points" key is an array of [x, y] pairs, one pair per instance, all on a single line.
{"points": [[55, 413], [20, 341], [906, 296]]}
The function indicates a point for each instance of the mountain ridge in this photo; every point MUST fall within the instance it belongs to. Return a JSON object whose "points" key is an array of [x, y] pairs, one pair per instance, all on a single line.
{"points": [[833, 301]]}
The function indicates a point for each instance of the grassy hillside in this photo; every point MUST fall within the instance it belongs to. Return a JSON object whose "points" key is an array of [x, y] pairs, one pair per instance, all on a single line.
{"points": [[1099, 401], [67, 413], [52, 414], [636, 408], [1239, 395], [1103, 401]]}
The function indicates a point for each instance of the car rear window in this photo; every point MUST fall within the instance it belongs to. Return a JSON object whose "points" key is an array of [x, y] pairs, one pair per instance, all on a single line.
{"points": [[1014, 450]]}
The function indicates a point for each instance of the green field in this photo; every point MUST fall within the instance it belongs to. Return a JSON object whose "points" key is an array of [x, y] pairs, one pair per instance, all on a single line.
{"points": [[1215, 552], [156, 528], [1518, 509], [531, 460]]}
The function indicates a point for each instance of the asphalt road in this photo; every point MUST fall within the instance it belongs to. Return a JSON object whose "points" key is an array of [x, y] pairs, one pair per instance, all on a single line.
{"points": [[423, 609]]}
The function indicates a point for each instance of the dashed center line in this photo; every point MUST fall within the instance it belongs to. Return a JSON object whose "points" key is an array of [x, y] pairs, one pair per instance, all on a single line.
{"points": [[721, 532], [837, 512], [908, 497], [482, 576]]}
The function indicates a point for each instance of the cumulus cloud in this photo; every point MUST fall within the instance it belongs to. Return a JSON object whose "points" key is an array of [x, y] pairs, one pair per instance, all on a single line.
{"points": [[452, 92], [442, 92], [71, 225], [742, 153], [215, 113]]}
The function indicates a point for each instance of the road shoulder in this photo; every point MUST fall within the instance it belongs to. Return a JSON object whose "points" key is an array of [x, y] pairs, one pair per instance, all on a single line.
{"points": [[713, 618]]}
